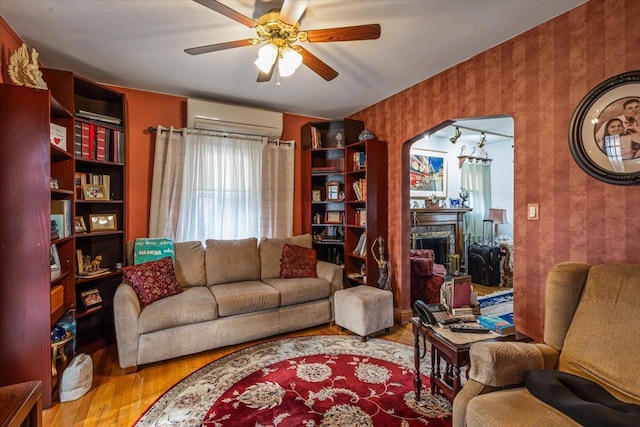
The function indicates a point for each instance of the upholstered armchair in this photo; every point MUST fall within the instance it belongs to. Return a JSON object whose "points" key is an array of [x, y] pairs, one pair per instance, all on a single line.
{"points": [[591, 330], [427, 277]]}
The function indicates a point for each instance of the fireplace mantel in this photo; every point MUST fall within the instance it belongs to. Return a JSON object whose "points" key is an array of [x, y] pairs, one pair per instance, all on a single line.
{"points": [[442, 216]]}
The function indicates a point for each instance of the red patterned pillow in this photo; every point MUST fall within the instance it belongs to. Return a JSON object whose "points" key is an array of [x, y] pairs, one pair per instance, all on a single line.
{"points": [[297, 261], [152, 280]]}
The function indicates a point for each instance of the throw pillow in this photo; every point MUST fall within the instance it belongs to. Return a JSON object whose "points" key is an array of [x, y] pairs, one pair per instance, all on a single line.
{"points": [[152, 280], [297, 261]]}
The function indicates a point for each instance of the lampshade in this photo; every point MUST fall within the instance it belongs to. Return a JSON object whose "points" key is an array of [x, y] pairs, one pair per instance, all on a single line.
{"points": [[266, 57], [498, 216], [289, 62]]}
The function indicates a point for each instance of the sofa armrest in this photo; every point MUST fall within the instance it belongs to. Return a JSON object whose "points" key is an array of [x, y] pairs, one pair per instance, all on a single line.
{"points": [[126, 310], [500, 364], [332, 273]]}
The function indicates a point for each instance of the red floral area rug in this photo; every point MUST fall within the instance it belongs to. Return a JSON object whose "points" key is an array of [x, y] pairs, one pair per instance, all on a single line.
{"points": [[306, 381]]}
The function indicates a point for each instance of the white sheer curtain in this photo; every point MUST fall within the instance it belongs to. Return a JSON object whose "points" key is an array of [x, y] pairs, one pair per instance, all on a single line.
{"points": [[166, 188], [221, 187], [476, 179], [277, 188]]}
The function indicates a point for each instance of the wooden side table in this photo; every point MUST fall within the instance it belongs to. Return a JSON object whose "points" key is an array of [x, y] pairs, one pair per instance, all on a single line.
{"points": [[445, 379], [21, 405]]}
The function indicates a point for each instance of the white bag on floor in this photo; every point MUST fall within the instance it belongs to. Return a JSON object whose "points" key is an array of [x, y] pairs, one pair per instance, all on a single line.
{"points": [[77, 378]]}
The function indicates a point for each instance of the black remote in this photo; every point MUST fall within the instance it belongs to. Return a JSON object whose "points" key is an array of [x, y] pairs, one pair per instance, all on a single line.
{"points": [[469, 329]]}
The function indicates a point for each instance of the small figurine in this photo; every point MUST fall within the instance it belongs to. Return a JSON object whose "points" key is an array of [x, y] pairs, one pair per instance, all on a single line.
{"points": [[317, 218], [463, 150], [339, 139], [95, 264], [464, 196]]}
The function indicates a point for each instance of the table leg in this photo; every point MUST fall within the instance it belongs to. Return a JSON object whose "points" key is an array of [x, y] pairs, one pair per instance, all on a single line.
{"points": [[417, 381], [456, 379], [435, 369]]}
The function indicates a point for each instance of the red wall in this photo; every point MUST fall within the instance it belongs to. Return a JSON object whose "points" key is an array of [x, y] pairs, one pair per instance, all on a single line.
{"points": [[538, 78]]}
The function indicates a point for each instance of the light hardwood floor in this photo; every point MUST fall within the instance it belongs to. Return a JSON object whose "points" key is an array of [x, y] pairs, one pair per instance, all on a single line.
{"points": [[119, 400]]}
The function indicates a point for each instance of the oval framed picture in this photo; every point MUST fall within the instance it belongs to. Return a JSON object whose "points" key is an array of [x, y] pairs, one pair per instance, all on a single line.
{"points": [[604, 134]]}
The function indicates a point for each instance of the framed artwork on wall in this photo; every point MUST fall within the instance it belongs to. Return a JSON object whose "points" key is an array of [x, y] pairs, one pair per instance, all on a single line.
{"points": [[604, 134], [428, 173]]}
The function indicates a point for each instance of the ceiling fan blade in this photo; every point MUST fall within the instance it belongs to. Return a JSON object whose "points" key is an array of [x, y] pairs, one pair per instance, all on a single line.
{"points": [[292, 10], [228, 12], [316, 64], [265, 77], [343, 34], [218, 46]]}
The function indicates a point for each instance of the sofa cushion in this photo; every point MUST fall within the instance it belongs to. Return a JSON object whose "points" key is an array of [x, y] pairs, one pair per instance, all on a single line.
{"points": [[152, 280], [229, 261], [195, 304], [297, 261], [295, 291], [189, 264], [271, 252], [244, 297]]}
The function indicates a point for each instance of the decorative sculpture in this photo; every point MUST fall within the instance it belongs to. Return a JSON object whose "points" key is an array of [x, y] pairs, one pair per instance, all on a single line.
{"points": [[384, 278], [24, 70]]}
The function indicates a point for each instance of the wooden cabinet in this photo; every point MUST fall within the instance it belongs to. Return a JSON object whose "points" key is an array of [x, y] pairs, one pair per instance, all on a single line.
{"points": [[96, 138], [27, 162], [366, 209], [323, 166]]}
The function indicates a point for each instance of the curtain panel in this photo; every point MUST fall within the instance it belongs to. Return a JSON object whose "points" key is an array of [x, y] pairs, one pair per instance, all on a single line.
{"points": [[476, 179]]}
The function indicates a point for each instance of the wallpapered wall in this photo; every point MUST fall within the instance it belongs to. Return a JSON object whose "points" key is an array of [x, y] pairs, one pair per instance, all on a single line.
{"points": [[538, 78]]}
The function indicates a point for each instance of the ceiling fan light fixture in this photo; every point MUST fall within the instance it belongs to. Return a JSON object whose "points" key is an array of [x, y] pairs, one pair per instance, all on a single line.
{"points": [[289, 62], [266, 57]]}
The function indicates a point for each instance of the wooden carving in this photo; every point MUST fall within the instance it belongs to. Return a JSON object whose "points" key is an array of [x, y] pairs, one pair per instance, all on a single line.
{"points": [[23, 68]]}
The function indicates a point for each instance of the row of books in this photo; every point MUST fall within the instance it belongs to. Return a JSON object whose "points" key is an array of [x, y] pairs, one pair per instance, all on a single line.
{"points": [[360, 217], [61, 216], [82, 178], [359, 160], [360, 189], [316, 138], [361, 247], [95, 142]]}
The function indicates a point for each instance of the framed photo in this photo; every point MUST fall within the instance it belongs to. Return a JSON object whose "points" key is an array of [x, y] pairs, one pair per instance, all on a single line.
{"points": [[454, 203], [91, 298], [80, 226], [54, 261], [316, 196], [103, 222], [333, 217], [428, 173], [604, 135], [94, 192]]}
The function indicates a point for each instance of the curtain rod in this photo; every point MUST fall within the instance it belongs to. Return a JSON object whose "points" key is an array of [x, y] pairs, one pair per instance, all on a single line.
{"points": [[151, 129]]}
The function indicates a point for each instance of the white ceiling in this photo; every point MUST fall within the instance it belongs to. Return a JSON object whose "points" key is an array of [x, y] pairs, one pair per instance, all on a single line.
{"points": [[140, 44]]}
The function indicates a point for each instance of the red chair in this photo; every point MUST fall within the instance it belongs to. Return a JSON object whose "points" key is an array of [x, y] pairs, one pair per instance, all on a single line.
{"points": [[427, 277]]}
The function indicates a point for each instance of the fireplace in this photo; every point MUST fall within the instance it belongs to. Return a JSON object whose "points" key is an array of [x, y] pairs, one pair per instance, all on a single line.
{"points": [[439, 245]]}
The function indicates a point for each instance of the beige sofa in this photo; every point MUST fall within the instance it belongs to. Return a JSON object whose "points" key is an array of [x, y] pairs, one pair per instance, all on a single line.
{"points": [[232, 293], [591, 329]]}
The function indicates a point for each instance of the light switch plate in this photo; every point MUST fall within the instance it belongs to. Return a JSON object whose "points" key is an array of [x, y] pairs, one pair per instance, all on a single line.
{"points": [[533, 211]]}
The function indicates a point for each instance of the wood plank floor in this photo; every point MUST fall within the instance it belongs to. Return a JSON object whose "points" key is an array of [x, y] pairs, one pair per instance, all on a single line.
{"points": [[119, 400]]}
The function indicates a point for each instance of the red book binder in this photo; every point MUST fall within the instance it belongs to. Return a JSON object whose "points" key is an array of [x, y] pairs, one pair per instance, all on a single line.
{"points": [[85, 140], [100, 151]]}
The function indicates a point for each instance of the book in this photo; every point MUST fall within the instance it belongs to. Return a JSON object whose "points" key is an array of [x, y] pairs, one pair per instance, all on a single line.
{"points": [[497, 324], [78, 139], [100, 143], [91, 298], [99, 117], [94, 273], [85, 141]]}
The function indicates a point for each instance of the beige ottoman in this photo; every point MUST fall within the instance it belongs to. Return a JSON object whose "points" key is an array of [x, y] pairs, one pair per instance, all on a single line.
{"points": [[364, 310]]}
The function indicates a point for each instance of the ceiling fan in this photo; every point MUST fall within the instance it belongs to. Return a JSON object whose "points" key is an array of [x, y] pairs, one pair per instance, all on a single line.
{"points": [[279, 31]]}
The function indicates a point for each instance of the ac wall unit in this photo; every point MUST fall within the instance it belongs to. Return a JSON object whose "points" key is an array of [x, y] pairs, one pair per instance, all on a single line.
{"points": [[209, 115]]}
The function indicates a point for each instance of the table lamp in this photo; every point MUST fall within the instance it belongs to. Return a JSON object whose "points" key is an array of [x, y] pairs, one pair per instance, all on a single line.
{"points": [[497, 216]]}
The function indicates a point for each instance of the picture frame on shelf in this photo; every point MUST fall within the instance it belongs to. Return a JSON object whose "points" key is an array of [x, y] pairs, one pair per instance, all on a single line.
{"points": [[454, 203], [91, 298], [94, 192], [316, 196], [604, 133], [333, 217], [80, 226], [428, 173], [79, 261], [103, 222], [54, 261]]}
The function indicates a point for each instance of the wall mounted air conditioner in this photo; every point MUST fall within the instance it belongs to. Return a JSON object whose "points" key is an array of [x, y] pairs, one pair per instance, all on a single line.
{"points": [[209, 115]]}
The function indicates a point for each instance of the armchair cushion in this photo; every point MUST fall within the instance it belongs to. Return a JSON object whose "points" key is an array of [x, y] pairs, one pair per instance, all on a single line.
{"points": [[499, 364]]}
